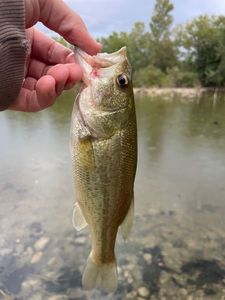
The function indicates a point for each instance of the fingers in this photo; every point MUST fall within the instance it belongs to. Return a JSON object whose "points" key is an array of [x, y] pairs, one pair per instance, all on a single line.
{"points": [[39, 93], [30, 83], [47, 50], [56, 15], [66, 75], [46, 91], [27, 101], [37, 68], [42, 97]]}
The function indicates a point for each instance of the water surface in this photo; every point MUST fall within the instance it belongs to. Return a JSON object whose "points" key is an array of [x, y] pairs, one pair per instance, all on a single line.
{"points": [[177, 246]]}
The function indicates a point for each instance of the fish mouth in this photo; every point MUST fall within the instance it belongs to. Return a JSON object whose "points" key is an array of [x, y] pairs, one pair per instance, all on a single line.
{"points": [[99, 65]]}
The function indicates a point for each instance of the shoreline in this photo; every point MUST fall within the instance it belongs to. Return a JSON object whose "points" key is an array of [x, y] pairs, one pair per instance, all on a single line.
{"points": [[176, 92]]}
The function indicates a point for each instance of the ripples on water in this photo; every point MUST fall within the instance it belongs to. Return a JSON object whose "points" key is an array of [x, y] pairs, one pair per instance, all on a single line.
{"points": [[176, 249]]}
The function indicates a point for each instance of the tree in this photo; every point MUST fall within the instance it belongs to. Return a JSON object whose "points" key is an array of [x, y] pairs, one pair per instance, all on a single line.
{"points": [[203, 40], [137, 42], [161, 20], [138, 46], [163, 49], [114, 42]]}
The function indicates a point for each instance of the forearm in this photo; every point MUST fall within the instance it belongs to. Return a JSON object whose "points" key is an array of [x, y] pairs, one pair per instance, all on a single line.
{"points": [[13, 48]]}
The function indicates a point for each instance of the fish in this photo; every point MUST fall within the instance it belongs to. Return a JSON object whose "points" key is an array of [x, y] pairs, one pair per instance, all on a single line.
{"points": [[103, 146]]}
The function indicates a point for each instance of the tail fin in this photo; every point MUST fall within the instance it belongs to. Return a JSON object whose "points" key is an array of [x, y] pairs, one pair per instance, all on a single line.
{"points": [[103, 276]]}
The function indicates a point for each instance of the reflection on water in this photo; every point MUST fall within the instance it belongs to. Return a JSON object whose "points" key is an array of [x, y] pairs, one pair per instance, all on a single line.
{"points": [[176, 250]]}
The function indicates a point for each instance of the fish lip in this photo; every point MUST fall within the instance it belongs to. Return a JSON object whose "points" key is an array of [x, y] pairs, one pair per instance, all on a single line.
{"points": [[102, 59], [92, 64]]}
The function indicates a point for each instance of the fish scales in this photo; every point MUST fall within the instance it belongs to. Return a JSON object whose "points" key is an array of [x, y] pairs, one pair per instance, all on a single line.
{"points": [[104, 155]]}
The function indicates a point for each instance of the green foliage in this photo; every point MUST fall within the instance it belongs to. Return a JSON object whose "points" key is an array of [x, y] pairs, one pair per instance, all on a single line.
{"points": [[114, 42], [161, 20], [149, 76], [192, 54], [164, 55], [152, 76], [182, 78], [137, 43], [163, 49], [139, 46], [189, 55], [204, 43]]}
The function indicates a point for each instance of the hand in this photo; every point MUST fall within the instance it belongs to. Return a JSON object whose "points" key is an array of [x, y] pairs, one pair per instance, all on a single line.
{"points": [[51, 67]]}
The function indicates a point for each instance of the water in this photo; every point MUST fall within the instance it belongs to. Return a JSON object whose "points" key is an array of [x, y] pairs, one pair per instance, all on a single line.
{"points": [[176, 249]]}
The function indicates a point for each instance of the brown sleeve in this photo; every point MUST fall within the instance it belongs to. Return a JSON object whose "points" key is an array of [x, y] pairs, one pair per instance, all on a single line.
{"points": [[13, 47]]}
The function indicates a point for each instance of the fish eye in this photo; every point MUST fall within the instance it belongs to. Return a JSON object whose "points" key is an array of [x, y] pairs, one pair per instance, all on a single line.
{"points": [[122, 80]]}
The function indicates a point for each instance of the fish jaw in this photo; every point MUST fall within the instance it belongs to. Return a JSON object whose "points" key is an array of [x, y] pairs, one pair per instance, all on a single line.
{"points": [[104, 106], [93, 66]]}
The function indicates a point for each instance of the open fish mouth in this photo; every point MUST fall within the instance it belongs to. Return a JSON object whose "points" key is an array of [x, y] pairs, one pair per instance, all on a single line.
{"points": [[102, 64]]}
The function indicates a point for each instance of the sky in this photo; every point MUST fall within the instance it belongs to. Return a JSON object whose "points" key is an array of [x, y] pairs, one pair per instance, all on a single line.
{"points": [[102, 17]]}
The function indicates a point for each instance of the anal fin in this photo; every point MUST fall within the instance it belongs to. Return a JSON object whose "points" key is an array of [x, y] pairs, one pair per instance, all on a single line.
{"points": [[78, 219]]}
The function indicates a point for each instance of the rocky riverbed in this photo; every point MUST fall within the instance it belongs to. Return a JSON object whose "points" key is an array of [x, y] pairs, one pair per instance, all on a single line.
{"points": [[164, 259], [177, 245]]}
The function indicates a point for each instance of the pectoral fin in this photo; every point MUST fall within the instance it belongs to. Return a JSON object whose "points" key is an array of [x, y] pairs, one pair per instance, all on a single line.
{"points": [[128, 221], [78, 219]]}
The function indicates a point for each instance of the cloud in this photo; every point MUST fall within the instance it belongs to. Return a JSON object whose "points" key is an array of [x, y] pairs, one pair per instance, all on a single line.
{"points": [[105, 16], [187, 10], [102, 17]]}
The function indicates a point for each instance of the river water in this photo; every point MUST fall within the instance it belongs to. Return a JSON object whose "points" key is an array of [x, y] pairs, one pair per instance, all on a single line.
{"points": [[177, 246]]}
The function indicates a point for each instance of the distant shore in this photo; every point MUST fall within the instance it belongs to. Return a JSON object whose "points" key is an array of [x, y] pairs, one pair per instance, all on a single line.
{"points": [[176, 92]]}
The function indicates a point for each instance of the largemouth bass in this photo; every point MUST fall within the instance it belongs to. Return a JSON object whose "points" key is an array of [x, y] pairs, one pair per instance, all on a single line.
{"points": [[104, 155]]}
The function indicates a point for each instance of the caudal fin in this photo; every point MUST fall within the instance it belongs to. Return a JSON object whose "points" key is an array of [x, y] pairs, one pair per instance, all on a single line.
{"points": [[103, 277]]}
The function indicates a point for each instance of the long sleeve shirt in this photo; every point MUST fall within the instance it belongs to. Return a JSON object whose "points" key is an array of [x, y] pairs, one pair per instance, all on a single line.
{"points": [[13, 49]]}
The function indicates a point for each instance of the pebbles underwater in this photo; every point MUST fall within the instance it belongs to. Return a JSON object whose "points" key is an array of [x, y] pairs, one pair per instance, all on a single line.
{"points": [[171, 268], [176, 249]]}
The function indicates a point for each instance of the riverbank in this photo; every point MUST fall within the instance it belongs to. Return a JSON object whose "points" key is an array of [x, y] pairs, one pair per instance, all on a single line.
{"points": [[190, 93]]}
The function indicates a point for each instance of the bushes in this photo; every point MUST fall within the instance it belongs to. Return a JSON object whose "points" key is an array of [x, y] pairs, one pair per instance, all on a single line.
{"points": [[152, 76], [149, 76], [182, 78]]}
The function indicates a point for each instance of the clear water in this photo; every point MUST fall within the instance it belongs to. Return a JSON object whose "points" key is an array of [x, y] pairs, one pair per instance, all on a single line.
{"points": [[177, 246]]}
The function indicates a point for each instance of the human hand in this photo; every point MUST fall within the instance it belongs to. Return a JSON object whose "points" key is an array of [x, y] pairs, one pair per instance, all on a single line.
{"points": [[51, 67]]}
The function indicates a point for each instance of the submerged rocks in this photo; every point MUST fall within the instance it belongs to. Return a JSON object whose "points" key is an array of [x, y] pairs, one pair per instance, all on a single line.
{"points": [[58, 297], [30, 283], [36, 257], [42, 243], [132, 295], [81, 240], [143, 292], [147, 257]]}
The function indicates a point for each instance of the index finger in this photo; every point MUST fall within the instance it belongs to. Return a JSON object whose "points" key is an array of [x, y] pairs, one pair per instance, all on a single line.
{"points": [[56, 15]]}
